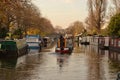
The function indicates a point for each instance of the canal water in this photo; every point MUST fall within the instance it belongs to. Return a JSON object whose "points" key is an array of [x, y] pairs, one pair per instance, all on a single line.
{"points": [[85, 63]]}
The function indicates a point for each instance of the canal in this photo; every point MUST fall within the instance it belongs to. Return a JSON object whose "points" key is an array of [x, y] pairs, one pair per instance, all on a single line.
{"points": [[85, 63]]}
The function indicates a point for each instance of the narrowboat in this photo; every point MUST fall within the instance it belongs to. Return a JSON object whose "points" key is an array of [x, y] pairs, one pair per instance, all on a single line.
{"points": [[85, 40], [13, 48], [94, 40], [64, 47], [103, 43], [115, 44], [46, 41], [33, 42]]}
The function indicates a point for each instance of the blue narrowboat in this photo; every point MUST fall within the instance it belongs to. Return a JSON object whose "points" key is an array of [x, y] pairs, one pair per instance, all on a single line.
{"points": [[33, 41]]}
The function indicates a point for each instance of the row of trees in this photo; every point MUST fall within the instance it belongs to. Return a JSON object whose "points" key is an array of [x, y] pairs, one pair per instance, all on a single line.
{"points": [[75, 28], [20, 17], [99, 14], [95, 20]]}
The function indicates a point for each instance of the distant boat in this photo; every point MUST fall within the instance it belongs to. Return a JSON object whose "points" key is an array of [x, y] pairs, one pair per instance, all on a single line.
{"points": [[13, 48], [33, 41]]}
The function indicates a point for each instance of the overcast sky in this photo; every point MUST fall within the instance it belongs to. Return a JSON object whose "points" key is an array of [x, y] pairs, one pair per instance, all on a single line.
{"points": [[62, 12]]}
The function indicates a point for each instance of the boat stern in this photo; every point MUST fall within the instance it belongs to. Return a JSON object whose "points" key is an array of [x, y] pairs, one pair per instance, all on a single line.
{"points": [[62, 50]]}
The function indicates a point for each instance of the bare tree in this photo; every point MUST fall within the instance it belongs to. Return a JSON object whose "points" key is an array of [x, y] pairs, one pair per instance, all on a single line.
{"points": [[117, 5], [75, 28], [97, 13]]}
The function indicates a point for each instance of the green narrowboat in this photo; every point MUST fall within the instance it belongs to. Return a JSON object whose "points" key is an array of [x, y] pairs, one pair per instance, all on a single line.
{"points": [[13, 48]]}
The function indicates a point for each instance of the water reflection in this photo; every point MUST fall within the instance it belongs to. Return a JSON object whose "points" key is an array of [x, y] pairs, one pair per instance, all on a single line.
{"points": [[8, 63], [114, 61], [115, 56], [11, 63], [15, 63], [102, 64], [93, 63], [62, 59], [8, 67], [96, 63], [20, 68]]}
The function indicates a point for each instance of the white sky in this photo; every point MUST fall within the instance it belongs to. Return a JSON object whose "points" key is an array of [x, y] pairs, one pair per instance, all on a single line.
{"points": [[62, 12]]}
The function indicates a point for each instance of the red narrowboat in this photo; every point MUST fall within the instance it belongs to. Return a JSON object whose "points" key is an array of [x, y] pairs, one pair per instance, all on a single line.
{"points": [[64, 46], [115, 44], [103, 43]]}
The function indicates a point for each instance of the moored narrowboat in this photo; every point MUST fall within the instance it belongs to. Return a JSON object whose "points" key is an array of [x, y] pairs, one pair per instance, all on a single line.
{"points": [[103, 43], [85, 40], [34, 41], [13, 48], [46, 41], [94, 40]]}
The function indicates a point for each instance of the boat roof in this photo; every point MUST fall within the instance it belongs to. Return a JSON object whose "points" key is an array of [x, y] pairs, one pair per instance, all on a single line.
{"points": [[33, 36], [7, 42]]}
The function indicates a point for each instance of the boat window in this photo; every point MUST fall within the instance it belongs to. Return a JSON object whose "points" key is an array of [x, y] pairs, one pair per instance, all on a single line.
{"points": [[32, 40]]}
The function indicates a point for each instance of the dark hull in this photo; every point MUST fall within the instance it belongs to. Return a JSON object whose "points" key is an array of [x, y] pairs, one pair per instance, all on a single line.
{"points": [[64, 51], [14, 53], [116, 49], [103, 47], [85, 43]]}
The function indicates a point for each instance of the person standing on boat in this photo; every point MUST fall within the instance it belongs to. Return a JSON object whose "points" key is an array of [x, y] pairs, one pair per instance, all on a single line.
{"points": [[62, 42]]}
